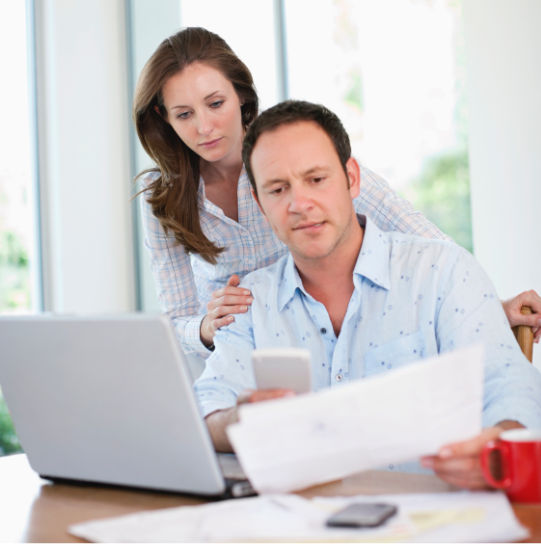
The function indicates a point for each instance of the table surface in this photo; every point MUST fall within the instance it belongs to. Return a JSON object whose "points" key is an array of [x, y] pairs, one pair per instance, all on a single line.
{"points": [[36, 510]]}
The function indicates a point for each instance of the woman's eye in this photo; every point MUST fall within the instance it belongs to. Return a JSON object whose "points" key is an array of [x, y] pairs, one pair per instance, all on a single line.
{"points": [[183, 115], [216, 103]]}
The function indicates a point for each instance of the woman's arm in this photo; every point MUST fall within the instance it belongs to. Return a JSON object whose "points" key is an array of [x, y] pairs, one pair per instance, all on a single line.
{"points": [[389, 210], [177, 288], [174, 281]]}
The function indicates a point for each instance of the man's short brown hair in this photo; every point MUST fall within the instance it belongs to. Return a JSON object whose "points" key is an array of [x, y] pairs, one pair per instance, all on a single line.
{"points": [[295, 111]]}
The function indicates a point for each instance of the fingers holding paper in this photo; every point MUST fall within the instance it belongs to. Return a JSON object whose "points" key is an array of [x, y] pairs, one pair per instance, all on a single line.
{"points": [[459, 463]]}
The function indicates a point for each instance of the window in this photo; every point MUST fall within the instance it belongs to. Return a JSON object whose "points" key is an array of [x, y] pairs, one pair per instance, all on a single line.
{"points": [[393, 72], [19, 270], [248, 27], [248, 30]]}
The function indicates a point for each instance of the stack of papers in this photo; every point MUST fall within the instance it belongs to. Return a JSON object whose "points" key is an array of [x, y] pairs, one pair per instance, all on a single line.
{"points": [[442, 517], [289, 444]]}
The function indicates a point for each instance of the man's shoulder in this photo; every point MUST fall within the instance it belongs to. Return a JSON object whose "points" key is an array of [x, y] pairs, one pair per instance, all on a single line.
{"points": [[418, 253], [266, 276], [410, 242]]}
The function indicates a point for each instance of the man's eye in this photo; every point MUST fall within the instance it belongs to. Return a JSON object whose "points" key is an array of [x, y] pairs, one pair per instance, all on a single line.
{"points": [[276, 191], [318, 179]]}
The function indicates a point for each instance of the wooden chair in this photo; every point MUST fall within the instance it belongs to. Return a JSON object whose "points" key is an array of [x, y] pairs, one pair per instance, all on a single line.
{"points": [[524, 335]]}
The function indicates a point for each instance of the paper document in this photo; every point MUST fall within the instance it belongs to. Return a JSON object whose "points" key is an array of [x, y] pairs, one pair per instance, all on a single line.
{"points": [[437, 517], [293, 443]]}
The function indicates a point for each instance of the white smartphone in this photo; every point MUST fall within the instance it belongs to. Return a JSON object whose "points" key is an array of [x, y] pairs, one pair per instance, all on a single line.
{"points": [[283, 368]]}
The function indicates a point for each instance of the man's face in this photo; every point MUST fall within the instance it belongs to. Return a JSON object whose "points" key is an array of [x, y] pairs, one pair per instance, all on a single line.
{"points": [[304, 191]]}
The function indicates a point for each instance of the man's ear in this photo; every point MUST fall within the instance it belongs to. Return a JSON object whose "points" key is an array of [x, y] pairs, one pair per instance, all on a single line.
{"points": [[354, 177]]}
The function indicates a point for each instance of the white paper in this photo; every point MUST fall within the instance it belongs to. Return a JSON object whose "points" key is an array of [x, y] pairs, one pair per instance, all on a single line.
{"points": [[439, 517], [293, 443]]}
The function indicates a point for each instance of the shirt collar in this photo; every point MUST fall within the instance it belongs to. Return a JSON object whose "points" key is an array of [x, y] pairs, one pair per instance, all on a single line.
{"points": [[372, 263], [290, 284], [244, 189]]}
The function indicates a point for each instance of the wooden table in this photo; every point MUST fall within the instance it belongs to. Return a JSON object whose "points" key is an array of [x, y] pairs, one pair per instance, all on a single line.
{"points": [[35, 510]]}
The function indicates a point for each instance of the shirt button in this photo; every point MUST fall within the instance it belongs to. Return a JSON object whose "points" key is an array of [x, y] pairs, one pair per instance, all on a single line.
{"points": [[339, 377], [323, 330]]}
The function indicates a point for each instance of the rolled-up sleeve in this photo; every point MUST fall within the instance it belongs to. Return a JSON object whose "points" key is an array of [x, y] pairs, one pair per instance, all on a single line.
{"points": [[174, 280], [228, 371]]}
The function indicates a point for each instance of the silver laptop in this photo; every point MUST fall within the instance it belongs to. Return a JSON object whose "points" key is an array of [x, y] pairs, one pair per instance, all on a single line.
{"points": [[108, 400]]}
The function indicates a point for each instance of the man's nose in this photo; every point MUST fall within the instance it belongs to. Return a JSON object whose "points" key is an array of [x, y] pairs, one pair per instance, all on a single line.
{"points": [[300, 199]]}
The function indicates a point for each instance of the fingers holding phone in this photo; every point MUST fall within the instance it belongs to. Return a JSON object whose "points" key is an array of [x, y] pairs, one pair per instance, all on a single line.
{"points": [[259, 395], [279, 373]]}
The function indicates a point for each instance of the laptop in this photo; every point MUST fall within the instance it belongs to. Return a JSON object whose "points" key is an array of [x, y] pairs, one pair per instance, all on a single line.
{"points": [[109, 400]]}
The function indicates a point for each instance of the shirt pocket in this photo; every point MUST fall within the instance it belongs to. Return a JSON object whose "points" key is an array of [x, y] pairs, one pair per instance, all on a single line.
{"points": [[395, 353]]}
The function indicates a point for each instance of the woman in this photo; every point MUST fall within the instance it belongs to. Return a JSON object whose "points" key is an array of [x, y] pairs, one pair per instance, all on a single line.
{"points": [[193, 102]]}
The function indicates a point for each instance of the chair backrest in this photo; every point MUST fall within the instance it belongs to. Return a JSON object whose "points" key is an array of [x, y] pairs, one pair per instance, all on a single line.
{"points": [[524, 336]]}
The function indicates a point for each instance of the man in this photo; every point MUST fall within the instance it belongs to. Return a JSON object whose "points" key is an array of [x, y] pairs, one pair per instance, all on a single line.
{"points": [[361, 300]]}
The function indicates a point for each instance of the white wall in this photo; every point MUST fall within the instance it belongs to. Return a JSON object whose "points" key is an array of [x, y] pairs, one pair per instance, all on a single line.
{"points": [[504, 86], [149, 27], [83, 120]]}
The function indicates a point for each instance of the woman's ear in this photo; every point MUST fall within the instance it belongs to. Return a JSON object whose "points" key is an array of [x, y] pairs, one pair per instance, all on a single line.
{"points": [[158, 111]]}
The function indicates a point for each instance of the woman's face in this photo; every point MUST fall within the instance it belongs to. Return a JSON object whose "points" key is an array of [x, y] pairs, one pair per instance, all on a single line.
{"points": [[203, 108]]}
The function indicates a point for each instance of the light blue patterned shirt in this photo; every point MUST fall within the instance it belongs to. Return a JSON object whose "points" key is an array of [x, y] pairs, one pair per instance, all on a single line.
{"points": [[185, 282], [413, 298]]}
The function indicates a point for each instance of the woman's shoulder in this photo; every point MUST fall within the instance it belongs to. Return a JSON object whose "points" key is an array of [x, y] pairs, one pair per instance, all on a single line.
{"points": [[145, 178]]}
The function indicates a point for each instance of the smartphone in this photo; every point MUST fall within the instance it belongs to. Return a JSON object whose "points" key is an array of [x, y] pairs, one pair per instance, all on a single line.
{"points": [[283, 368], [362, 514]]}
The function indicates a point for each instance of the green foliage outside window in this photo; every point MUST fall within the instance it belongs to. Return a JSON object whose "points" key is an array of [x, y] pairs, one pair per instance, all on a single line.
{"points": [[14, 293], [14, 273], [8, 439], [442, 193]]}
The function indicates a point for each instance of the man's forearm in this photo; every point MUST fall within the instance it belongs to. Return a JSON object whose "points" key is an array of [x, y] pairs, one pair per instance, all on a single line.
{"points": [[217, 423]]}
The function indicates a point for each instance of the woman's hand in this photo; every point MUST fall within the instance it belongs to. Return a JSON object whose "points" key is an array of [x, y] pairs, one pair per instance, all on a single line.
{"points": [[512, 310], [226, 301]]}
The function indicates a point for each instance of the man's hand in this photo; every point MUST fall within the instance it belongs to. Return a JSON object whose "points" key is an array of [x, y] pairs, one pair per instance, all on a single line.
{"points": [[219, 420], [259, 395], [459, 464], [512, 310]]}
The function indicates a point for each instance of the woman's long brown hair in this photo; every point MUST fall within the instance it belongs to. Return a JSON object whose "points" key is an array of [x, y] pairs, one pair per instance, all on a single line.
{"points": [[173, 194]]}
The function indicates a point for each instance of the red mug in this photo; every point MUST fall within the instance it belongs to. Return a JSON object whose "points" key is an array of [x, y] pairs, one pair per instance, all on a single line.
{"points": [[520, 454]]}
